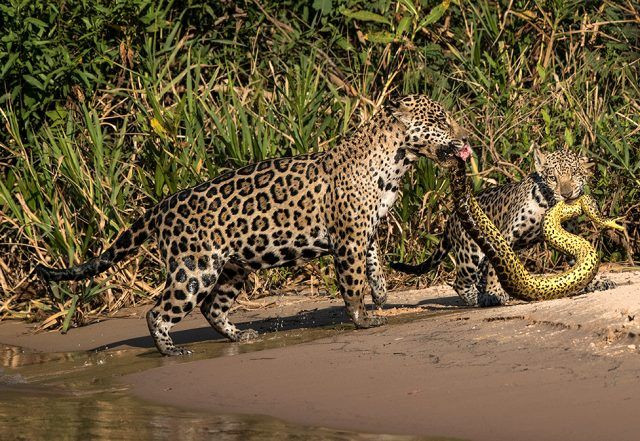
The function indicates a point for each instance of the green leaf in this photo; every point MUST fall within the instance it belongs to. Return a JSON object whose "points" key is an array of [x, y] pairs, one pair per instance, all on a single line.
{"points": [[568, 137], [381, 37], [403, 26], [34, 82], [324, 6], [410, 7], [35, 21], [436, 13], [547, 119], [365, 16], [8, 64], [344, 44], [57, 114]]}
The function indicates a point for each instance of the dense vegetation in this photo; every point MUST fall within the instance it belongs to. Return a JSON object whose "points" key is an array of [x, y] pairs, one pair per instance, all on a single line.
{"points": [[107, 106]]}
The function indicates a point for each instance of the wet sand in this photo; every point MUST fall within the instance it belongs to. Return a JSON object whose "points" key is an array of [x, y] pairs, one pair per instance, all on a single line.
{"points": [[563, 369]]}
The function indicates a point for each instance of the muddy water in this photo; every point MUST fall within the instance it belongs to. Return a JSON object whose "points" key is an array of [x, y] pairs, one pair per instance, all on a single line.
{"points": [[79, 396]]}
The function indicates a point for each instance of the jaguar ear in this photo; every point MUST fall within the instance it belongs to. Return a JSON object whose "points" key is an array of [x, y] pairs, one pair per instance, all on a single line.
{"points": [[586, 163], [393, 100], [400, 111], [539, 159]]}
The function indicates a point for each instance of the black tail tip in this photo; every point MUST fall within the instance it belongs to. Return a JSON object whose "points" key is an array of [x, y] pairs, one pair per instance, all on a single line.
{"points": [[404, 268], [43, 272], [398, 266]]}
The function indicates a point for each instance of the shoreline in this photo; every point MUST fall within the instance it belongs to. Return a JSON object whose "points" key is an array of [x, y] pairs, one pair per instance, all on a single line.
{"points": [[566, 368]]}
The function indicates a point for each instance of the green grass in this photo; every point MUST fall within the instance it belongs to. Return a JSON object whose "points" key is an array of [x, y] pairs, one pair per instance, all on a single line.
{"points": [[107, 107]]}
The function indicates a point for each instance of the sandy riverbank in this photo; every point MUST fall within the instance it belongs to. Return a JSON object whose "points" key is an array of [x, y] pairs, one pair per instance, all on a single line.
{"points": [[564, 369]]}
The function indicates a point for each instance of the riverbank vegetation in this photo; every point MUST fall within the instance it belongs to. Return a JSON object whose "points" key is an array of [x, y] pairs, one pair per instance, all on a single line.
{"points": [[106, 107]]}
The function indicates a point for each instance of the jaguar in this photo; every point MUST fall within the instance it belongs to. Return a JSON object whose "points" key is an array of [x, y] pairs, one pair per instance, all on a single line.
{"points": [[517, 209], [281, 212]]}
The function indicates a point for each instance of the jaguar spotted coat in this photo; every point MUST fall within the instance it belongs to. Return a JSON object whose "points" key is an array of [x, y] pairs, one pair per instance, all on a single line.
{"points": [[282, 212]]}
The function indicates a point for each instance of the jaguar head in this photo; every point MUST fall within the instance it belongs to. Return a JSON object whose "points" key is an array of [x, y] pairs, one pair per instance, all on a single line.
{"points": [[430, 130], [566, 173]]}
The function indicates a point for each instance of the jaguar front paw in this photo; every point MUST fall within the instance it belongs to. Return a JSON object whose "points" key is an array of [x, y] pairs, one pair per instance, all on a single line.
{"points": [[370, 321]]}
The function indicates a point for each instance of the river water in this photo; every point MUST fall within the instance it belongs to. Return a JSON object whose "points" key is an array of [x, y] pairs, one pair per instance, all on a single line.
{"points": [[80, 395]]}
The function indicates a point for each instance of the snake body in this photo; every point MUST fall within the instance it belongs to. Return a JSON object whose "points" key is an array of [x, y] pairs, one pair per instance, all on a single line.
{"points": [[513, 276]]}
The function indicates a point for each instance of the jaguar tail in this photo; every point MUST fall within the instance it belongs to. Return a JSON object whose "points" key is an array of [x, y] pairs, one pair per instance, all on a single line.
{"points": [[430, 263], [128, 241]]}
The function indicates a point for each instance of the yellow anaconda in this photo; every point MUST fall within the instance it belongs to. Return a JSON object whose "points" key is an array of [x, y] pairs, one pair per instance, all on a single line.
{"points": [[513, 276]]}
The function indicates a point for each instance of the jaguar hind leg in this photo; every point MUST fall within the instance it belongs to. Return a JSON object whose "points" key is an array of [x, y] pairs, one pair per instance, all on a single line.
{"points": [[215, 307], [185, 288], [465, 286]]}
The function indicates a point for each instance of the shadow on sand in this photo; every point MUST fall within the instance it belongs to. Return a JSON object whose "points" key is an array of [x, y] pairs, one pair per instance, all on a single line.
{"points": [[306, 319]]}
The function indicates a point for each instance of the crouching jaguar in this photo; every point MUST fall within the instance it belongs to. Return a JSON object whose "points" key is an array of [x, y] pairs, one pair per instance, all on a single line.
{"points": [[518, 210], [283, 212]]}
